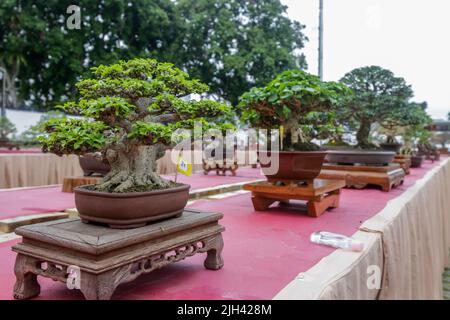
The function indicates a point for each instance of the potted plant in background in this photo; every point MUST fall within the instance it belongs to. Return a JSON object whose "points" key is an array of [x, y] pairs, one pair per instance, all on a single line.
{"points": [[303, 106], [378, 94], [415, 134], [130, 110], [394, 124]]}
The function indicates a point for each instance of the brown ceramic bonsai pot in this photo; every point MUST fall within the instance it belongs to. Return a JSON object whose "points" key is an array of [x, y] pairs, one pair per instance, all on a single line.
{"points": [[130, 210], [395, 147], [92, 166], [416, 161], [352, 157], [295, 165]]}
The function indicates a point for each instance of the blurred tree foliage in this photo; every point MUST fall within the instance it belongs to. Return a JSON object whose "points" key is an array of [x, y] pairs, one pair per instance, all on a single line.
{"points": [[234, 45], [230, 45]]}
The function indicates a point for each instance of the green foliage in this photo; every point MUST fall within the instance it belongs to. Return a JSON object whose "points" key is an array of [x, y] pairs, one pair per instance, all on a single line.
{"points": [[78, 136], [290, 94], [103, 108], [6, 128], [295, 100], [409, 115], [131, 114], [378, 95], [152, 132], [130, 79], [231, 45], [234, 45], [35, 43], [30, 136]]}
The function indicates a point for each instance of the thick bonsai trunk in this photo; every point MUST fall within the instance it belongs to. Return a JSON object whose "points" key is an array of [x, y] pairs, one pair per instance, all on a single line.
{"points": [[133, 169], [363, 135]]}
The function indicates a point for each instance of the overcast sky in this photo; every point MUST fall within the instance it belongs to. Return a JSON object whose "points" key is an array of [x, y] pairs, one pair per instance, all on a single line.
{"points": [[409, 37]]}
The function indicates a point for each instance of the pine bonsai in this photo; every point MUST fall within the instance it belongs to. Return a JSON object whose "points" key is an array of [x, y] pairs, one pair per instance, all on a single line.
{"points": [[130, 110], [298, 101]]}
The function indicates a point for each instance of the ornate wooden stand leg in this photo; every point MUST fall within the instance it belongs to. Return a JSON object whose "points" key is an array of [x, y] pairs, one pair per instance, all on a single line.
{"points": [[97, 287], [260, 203], [316, 208], [214, 259], [26, 285], [386, 187]]}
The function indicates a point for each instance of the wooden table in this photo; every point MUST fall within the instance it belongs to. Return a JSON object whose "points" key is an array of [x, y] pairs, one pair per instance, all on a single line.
{"points": [[387, 177], [108, 257], [320, 195]]}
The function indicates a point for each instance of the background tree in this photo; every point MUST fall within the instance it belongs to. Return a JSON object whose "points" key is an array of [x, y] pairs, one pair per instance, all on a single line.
{"points": [[233, 45], [130, 111], [44, 59], [6, 128], [229, 44], [378, 94]]}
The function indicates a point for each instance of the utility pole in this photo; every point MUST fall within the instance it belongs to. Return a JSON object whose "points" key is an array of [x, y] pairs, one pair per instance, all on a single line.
{"points": [[3, 109], [321, 39]]}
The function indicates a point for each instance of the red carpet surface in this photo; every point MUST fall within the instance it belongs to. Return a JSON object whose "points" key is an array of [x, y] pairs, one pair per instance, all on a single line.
{"points": [[28, 201], [263, 251]]}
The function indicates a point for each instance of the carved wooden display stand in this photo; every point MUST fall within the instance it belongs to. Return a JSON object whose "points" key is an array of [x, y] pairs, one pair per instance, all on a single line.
{"points": [[71, 183], [404, 161], [320, 195], [109, 257], [6, 143], [387, 177], [219, 167]]}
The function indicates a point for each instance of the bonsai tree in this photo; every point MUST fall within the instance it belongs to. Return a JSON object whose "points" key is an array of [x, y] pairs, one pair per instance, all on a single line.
{"points": [[441, 138], [378, 94], [408, 115], [130, 110], [299, 102], [31, 135], [6, 128]]}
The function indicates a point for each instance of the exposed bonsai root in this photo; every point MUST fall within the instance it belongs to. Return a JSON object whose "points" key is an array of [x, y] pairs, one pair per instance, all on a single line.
{"points": [[123, 182]]}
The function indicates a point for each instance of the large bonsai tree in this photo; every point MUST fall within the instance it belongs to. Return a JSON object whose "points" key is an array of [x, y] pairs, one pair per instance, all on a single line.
{"points": [[130, 110], [299, 102], [378, 93]]}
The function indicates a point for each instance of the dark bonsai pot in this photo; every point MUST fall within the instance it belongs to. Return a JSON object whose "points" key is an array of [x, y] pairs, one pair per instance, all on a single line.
{"points": [[416, 161], [92, 166], [130, 210], [395, 147], [295, 165], [352, 157]]}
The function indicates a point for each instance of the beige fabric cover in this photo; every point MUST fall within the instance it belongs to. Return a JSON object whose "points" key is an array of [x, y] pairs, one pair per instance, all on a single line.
{"points": [[27, 170], [409, 240], [38, 169]]}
